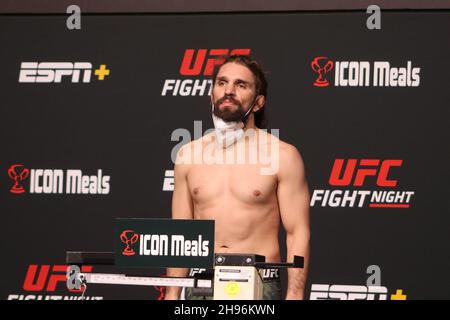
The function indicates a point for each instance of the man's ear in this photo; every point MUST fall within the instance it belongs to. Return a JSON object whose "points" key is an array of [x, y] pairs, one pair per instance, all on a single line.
{"points": [[259, 103]]}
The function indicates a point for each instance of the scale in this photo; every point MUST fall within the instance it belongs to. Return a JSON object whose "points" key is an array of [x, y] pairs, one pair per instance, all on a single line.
{"points": [[235, 277]]}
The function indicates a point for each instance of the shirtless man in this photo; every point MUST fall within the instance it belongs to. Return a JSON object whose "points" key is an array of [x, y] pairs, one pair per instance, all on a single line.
{"points": [[247, 206]]}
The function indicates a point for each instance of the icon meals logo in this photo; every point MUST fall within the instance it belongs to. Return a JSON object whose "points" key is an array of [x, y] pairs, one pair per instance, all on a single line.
{"points": [[18, 173], [163, 245], [364, 73], [129, 237], [57, 181], [53, 72], [321, 65]]}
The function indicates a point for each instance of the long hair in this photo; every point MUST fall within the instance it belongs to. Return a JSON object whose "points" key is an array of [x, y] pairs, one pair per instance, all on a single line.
{"points": [[261, 120]]}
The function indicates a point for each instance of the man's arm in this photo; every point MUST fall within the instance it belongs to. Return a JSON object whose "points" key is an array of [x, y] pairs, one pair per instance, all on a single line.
{"points": [[293, 200], [182, 208]]}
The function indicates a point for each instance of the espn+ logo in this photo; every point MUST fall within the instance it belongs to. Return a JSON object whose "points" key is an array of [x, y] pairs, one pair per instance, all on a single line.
{"points": [[55, 72], [371, 291], [347, 292]]}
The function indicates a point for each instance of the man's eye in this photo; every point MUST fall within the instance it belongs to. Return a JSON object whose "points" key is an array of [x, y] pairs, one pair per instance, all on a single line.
{"points": [[242, 86], [221, 83]]}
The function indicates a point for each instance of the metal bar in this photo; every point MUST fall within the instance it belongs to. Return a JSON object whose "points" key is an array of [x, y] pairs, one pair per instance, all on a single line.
{"points": [[298, 263], [121, 279]]}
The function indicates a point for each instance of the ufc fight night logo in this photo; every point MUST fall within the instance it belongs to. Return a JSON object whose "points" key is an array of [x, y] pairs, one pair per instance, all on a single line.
{"points": [[57, 72], [48, 282], [363, 73], [197, 63], [361, 173]]}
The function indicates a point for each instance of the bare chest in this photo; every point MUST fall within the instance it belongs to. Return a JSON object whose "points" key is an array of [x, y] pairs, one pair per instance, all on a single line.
{"points": [[233, 183]]}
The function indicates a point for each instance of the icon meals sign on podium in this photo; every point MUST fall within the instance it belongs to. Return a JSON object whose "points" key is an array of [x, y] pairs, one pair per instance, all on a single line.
{"points": [[162, 243]]}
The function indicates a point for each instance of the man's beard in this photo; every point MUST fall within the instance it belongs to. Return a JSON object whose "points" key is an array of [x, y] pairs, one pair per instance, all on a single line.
{"points": [[229, 113]]}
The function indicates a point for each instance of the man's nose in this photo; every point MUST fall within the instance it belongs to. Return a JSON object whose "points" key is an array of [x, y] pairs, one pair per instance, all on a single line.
{"points": [[230, 90]]}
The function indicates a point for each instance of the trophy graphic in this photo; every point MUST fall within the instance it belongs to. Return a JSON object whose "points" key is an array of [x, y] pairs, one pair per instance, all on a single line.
{"points": [[129, 237], [322, 65], [17, 177]]}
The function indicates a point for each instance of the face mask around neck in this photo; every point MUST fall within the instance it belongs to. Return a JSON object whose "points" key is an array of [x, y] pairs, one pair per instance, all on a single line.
{"points": [[229, 132]]}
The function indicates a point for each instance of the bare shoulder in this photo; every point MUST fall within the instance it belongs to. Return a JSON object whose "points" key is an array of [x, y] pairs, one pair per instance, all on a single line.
{"points": [[291, 160], [286, 148], [289, 152], [187, 154]]}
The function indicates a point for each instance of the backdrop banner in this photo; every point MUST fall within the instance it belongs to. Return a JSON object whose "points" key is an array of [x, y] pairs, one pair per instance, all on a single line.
{"points": [[91, 120]]}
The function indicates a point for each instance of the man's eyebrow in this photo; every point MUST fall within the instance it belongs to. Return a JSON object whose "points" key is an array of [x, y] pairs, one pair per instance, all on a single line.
{"points": [[224, 78], [242, 81]]}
